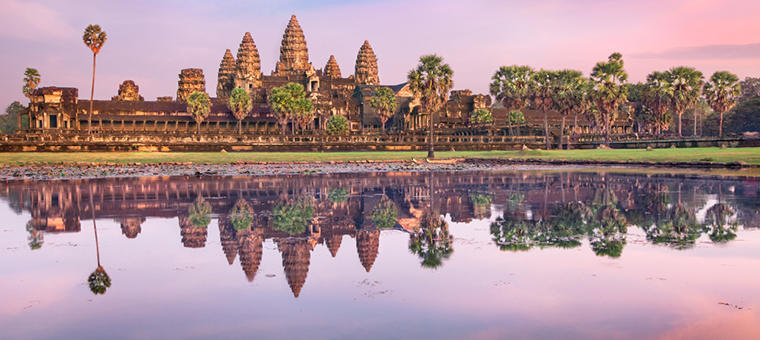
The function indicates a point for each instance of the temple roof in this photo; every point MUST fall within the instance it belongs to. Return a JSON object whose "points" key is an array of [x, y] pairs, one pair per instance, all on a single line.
{"points": [[366, 66]]}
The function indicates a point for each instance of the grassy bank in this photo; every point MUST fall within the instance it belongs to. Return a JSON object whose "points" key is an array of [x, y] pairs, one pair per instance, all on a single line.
{"points": [[749, 155]]}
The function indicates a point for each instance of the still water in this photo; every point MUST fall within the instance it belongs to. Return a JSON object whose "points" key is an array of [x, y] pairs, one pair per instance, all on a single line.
{"points": [[484, 255]]}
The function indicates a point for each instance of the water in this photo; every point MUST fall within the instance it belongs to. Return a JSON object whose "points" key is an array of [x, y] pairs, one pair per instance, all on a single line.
{"points": [[527, 255]]}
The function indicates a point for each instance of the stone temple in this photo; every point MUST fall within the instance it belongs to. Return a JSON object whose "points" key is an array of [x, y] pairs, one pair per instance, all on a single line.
{"points": [[58, 110]]}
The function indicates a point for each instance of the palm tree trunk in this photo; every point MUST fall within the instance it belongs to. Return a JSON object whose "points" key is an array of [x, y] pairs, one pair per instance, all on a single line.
{"points": [[695, 117], [720, 127], [546, 131], [575, 127], [679, 124], [561, 131], [94, 226], [240, 127], [431, 151], [198, 126], [92, 94], [607, 132]]}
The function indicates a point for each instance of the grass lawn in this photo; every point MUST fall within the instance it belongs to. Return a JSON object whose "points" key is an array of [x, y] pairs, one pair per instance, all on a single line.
{"points": [[749, 155]]}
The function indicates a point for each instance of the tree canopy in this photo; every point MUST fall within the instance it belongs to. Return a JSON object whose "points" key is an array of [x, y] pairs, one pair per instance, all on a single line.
{"points": [[240, 104], [289, 102], [199, 106], [31, 81], [384, 103], [431, 82]]}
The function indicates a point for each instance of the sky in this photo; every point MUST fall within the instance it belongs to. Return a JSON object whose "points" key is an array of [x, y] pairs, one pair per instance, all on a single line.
{"points": [[151, 41]]}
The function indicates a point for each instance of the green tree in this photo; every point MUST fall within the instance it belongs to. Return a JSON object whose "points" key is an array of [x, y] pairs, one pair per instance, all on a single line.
{"points": [[511, 234], [200, 213], [609, 89], [289, 102], [656, 97], [384, 213], [99, 281], [431, 82], [293, 218], [511, 86], [240, 104], [685, 85], [384, 103], [719, 227], [9, 121], [199, 106], [607, 232], [721, 93], [241, 215], [481, 116], [570, 97], [31, 80], [515, 117], [36, 237], [94, 38], [338, 195], [543, 89], [337, 125], [432, 242]]}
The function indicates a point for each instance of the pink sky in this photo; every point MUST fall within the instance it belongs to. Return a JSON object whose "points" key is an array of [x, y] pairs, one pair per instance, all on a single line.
{"points": [[151, 41]]}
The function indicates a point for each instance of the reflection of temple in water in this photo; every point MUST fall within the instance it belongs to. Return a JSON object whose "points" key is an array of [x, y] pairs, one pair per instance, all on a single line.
{"points": [[341, 207]]}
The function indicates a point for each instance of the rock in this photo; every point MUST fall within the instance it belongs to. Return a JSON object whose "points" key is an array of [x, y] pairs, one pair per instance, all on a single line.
{"points": [[223, 151], [724, 146], [649, 148]]}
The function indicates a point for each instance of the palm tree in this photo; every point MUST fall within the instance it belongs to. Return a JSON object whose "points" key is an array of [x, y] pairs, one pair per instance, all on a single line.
{"points": [[199, 107], [685, 85], [511, 86], [571, 97], [431, 82], [721, 92], [656, 94], [609, 89], [294, 217], [240, 104], [98, 280], [432, 242], [31, 80], [384, 103], [94, 38], [290, 102], [543, 89], [384, 213], [200, 213]]}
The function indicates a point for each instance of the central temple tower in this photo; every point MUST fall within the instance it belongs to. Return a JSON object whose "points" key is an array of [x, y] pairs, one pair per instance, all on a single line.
{"points": [[294, 55]]}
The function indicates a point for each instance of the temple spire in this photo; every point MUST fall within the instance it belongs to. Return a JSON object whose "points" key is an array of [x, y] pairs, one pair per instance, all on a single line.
{"points": [[248, 65], [294, 55], [225, 80], [332, 70], [366, 66]]}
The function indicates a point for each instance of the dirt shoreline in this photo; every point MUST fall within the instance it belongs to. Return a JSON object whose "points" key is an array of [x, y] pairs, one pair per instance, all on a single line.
{"points": [[95, 170]]}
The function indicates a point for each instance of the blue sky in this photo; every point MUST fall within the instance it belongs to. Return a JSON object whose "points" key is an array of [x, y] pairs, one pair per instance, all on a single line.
{"points": [[151, 41]]}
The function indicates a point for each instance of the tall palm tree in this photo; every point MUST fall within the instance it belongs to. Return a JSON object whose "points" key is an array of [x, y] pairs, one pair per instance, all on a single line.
{"points": [[571, 97], [98, 280], [431, 82], [94, 38], [240, 104], [543, 88], [656, 95], [685, 85], [511, 86], [31, 80], [384, 103], [290, 102], [721, 92], [199, 106], [609, 89]]}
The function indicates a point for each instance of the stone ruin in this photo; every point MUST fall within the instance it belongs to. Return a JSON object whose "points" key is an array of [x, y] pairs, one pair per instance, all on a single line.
{"points": [[128, 92], [294, 55], [226, 76], [332, 70], [190, 80], [248, 65], [366, 66]]}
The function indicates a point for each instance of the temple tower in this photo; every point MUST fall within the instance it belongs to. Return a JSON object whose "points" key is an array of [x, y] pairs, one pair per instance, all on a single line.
{"points": [[294, 55], [296, 256], [250, 251], [128, 92], [248, 65], [366, 66], [367, 245], [190, 80], [333, 243], [225, 80], [332, 70]]}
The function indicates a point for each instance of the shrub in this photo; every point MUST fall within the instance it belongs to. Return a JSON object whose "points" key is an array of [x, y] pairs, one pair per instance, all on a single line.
{"points": [[337, 125]]}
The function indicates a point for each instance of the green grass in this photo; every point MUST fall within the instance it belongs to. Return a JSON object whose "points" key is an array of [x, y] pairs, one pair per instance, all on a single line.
{"points": [[749, 155]]}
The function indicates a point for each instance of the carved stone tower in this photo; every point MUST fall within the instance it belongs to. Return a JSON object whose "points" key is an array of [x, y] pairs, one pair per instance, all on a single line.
{"points": [[128, 91], [332, 70], [366, 66], [190, 80], [248, 72], [294, 55], [225, 81]]}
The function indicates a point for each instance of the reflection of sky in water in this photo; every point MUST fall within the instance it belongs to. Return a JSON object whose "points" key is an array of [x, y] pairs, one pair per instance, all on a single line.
{"points": [[162, 289]]}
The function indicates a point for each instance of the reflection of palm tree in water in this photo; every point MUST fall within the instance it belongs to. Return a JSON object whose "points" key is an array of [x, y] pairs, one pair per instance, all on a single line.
{"points": [[99, 280], [432, 242], [718, 226], [36, 238], [608, 229]]}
